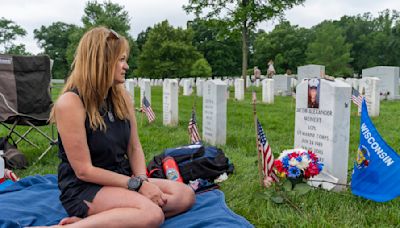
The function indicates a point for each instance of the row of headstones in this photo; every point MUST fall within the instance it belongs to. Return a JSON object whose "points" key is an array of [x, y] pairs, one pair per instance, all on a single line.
{"points": [[324, 130], [214, 106], [388, 85]]}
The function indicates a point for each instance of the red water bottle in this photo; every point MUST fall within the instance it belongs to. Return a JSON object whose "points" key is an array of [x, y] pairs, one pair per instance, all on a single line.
{"points": [[171, 169]]}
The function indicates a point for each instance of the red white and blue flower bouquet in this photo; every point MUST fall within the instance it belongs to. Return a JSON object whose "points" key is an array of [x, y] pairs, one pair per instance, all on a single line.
{"points": [[297, 165]]}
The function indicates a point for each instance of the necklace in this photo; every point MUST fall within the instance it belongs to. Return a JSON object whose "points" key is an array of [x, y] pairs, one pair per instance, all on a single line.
{"points": [[110, 116], [108, 110]]}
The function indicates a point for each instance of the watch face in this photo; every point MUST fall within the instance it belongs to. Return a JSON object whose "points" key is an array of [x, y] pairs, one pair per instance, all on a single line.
{"points": [[134, 184]]}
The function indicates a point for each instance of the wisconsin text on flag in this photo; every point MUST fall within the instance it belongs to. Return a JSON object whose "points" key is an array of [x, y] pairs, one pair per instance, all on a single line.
{"points": [[265, 150], [375, 145], [356, 97], [192, 128], [146, 108]]}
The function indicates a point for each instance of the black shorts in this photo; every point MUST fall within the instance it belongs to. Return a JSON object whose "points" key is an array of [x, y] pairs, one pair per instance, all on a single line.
{"points": [[73, 199]]}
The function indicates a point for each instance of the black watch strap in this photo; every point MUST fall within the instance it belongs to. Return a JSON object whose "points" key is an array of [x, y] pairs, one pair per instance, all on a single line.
{"points": [[134, 183]]}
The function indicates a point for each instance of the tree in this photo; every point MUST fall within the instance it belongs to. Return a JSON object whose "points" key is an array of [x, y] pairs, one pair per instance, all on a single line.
{"points": [[54, 39], [220, 48], [106, 14], [142, 37], [167, 53], [286, 44], [201, 68], [330, 49], [9, 31], [242, 15]]}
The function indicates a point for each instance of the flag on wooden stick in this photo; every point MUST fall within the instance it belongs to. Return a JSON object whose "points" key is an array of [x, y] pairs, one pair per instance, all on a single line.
{"points": [[357, 98], [264, 149], [192, 129], [146, 108]]}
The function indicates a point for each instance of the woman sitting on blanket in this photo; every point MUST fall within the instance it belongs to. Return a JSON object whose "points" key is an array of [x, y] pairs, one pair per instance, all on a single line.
{"points": [[102, 174]]}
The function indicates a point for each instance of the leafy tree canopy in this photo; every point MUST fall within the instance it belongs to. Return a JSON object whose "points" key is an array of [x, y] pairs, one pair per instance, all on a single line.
{"points": [[9, 31], [330, 49], [167, 53]]}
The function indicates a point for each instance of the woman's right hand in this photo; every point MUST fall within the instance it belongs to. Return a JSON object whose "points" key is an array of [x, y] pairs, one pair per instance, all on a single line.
{"points": [[153, 192]]}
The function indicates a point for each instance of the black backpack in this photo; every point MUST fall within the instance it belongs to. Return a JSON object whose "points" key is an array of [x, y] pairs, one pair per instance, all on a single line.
{"points": [[194, 161]]}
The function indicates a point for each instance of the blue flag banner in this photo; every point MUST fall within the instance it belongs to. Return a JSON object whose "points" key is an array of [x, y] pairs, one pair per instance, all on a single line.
{"points": [[376, 174]]}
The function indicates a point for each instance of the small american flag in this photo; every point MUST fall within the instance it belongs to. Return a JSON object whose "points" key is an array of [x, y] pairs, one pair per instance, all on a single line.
{"points": [[266, 154], [357, 98], [192, 128], [146, 108]]}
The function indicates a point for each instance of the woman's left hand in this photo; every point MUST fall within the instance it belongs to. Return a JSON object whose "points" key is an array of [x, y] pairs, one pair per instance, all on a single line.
{"points": [[153, 192]]}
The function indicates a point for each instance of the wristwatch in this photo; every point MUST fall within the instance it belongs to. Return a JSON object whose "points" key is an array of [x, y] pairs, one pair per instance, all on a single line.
{"points": [[134, 183]]}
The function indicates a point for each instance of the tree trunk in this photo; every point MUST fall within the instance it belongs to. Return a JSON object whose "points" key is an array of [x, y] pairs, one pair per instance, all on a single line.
{"points": [[245, 48], [245, 51]]}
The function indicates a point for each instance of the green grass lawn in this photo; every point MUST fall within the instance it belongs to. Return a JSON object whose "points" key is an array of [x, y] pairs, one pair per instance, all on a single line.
{"points": [[242, 190]]}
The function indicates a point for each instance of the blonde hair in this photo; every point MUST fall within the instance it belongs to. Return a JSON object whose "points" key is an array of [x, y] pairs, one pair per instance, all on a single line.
{"points": [[92, 74]]}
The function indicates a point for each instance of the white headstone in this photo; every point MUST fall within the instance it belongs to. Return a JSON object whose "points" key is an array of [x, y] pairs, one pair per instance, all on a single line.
{"points": [[323, 126], [170, 102], [268, 91], [309, 71], [389, 80], [248, 81], [214, 112], [239, 89], [187, 87], [199, 87], [130, 86], [145, 90], [354, 83], [293, 83], [372, 96], [282, 85]]}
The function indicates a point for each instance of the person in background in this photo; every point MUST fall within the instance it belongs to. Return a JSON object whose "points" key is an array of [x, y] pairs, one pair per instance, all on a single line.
{"points": [[271, 69], [102, 173], [257, 73]]}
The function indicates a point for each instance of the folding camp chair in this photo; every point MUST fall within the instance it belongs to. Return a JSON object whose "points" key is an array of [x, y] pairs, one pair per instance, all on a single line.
{"points": [[25, 96]]}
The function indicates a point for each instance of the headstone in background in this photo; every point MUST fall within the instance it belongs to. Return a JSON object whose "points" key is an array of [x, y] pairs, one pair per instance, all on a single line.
{"points": [[145, 90], [361, 86], [268, 91], [170, 102], [130, 86], [282, 85], [354, 83], [199, 87], [372, 96], [248, 81], [258, 83], [214, 112], [187, 87], [389, 80], [293, 83], [239, 89], [325, 129], [309, 71]]}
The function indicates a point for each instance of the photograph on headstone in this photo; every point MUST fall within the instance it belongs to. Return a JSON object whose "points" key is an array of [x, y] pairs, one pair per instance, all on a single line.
{"points": [[313, 93]]}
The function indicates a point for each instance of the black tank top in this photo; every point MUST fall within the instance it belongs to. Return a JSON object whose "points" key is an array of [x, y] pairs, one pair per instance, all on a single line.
{"points": [[108, 149]]}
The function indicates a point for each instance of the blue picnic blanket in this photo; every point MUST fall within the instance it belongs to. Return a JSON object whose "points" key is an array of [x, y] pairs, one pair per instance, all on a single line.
{"points": [[34, 201]]}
